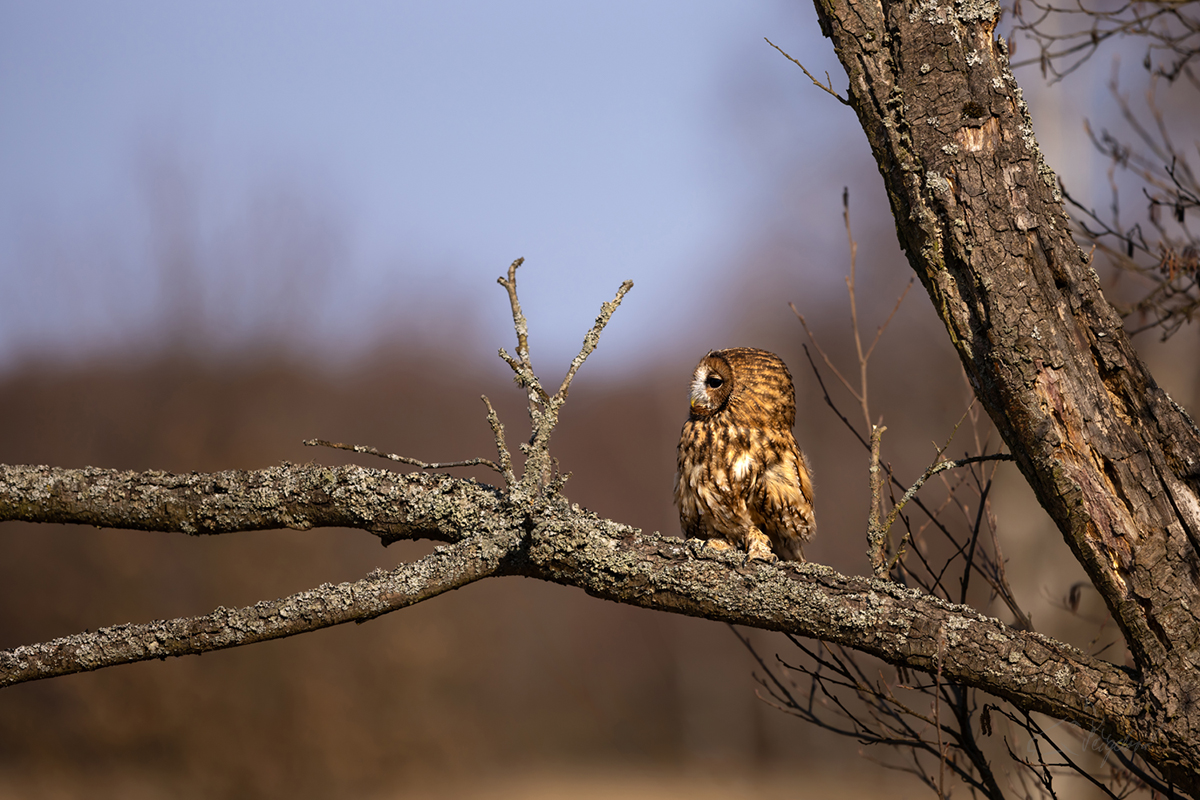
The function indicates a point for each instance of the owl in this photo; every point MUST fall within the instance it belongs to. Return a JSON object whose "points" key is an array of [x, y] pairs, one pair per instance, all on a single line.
{"points": [[742, 481]]}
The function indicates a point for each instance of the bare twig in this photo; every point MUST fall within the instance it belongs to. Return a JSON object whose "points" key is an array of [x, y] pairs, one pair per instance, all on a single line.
{"points": [[879, 331], [937, 716], [862, 358], [506, 465], [592, 338], [828, 361], [520, 364], [860, 393], [821, 382], [826, 87], [371, 451], [934, 469], [876, 534]]}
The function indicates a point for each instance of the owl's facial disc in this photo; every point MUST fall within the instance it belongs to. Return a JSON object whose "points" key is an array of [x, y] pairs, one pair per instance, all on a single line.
{"points": [[709, 390]]}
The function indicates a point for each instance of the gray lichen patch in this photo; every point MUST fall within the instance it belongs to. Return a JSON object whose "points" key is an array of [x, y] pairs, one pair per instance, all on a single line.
{"points": [[977, 10], [937, 183], [927, 10]]}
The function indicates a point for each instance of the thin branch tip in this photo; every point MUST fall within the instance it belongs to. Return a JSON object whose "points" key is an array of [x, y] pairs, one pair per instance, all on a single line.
{"points": [[371, 451], [826, 87], [506, 467], [592, 338]]}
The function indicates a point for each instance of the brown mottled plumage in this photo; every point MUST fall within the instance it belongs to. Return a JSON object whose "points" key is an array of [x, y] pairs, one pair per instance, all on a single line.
{"points": [[742, 481]]}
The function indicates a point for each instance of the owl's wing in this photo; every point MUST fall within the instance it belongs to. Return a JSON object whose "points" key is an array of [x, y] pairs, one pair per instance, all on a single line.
{"points": [[785, 505]]}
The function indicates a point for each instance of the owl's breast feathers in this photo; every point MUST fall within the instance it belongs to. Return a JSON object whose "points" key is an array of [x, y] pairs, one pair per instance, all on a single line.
{"points": [[732, 478]]}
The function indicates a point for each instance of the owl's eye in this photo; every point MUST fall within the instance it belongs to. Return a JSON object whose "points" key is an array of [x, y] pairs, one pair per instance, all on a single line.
{"points": [[713, 381]]}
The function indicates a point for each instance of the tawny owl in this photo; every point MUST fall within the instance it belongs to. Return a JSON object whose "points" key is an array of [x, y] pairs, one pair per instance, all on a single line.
{"points": [[742, 481]]}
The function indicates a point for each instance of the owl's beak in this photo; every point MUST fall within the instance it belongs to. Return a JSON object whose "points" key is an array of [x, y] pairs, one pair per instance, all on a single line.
{"points": [[692, 405]]}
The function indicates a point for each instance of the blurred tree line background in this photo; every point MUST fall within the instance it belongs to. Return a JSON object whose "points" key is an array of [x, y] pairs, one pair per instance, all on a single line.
{"points": [[226, 368]]}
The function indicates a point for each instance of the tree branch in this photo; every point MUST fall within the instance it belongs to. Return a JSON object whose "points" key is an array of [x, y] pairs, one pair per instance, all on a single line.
{"points": [[380, 592], [367, 449], [301, 497], [528, 528], [565, 545]]}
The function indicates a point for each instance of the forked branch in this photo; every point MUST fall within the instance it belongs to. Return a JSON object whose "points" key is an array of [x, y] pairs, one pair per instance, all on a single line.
{"points": [[543, 407]]}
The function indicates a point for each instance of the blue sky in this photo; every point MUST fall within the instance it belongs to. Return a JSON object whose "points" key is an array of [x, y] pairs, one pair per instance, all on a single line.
{"points": [[411, 150], [439, 140]]}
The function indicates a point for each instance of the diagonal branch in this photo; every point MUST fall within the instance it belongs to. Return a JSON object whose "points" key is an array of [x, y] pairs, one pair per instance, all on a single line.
{"points": [[592, 339], [378, 593]]}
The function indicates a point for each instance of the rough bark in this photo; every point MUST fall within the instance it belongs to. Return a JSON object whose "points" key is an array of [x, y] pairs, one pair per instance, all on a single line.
{"points": [[553, 541], [393, 506], [1113, 460]]}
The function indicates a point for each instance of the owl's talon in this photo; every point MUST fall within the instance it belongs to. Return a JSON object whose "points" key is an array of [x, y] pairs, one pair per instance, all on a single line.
{"points": [[758, 552]]}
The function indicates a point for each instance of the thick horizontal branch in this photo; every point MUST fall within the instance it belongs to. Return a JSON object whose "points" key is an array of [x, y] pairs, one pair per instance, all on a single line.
{"points": [[297, 496], [559, 543], [378, 593]]}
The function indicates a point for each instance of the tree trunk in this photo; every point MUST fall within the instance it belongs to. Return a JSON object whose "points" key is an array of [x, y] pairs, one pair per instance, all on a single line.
{"points": [[1111, 457]]}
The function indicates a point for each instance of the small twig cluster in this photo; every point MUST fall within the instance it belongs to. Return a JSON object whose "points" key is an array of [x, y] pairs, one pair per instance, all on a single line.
{"points": [[1122, 772], [843, 698], [540, 474], [878, 525], [1166, 260], [1068, 34], [1158, 250]]}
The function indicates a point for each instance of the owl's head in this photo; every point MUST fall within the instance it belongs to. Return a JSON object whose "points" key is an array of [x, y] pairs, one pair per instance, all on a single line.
{"points": [[745, 386]]}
